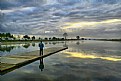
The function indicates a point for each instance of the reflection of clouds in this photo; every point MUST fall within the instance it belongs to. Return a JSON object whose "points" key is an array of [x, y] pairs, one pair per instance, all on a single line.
{"points": [[83, 55], [28, 71]]}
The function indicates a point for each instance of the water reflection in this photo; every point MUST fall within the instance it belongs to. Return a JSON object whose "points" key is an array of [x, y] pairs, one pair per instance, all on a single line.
{"points": [[97, 47], [6, 48], [41, 65], [65, 44], [78, 43], [46, 43], [95, 50], [83, 61], [26, 45], [33, 44], [89, 56]]}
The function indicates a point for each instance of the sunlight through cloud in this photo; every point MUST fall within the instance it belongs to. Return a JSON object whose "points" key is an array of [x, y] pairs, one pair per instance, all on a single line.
{"points": [[90, 24]]}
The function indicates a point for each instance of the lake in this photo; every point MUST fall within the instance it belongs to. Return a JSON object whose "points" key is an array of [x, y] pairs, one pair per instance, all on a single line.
{"points": [[82, 61]]}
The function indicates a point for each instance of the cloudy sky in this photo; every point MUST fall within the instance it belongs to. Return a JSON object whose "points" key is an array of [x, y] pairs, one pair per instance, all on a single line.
{"points": [[86, 18]]}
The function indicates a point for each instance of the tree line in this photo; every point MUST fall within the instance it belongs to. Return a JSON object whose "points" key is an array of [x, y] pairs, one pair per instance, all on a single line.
{"points": [[6, 36], [9, 36], [27, 37]]}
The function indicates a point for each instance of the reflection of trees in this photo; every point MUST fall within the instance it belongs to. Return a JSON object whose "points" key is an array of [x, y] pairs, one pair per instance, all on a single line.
{"points": [[78, 43], [65, 44], [46, 42], [33, 44], [54, 43], [6, 48], [62, 42], [26, 45], [49, 42]]}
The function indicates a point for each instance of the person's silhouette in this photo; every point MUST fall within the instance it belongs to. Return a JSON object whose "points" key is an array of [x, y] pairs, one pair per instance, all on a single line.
{"points": [[41, 46], [41, 66]]}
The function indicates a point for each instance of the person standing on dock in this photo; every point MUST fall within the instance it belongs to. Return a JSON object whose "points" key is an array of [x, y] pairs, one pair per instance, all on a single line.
{"points": [[41, 46]]}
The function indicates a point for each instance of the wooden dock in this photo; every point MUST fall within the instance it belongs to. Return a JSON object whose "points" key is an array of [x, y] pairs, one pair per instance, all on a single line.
{"points": [[12, 62]]}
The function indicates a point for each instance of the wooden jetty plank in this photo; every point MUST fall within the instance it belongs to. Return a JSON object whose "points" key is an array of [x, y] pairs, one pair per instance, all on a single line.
{"points": [[11, 62], [6, 66]]}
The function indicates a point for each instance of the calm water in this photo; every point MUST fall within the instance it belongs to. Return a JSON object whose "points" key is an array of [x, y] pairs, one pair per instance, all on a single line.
{"points": [[25, 47], [83, 61]]}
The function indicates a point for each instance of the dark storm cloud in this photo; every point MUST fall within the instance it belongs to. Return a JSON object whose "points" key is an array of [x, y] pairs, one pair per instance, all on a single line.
{"points": [[7, 4], [44, 16]]}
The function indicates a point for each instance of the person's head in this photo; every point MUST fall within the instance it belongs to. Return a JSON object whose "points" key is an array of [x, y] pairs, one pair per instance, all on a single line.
{"points": [[41, 41]]}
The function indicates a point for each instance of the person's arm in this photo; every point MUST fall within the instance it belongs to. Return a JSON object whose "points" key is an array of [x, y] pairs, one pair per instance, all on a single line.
{"points": [[43, 45], [39, 44]]}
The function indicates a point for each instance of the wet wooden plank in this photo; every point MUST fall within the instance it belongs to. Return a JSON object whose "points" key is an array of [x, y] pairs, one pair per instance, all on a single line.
{"points": [[6, 66]]}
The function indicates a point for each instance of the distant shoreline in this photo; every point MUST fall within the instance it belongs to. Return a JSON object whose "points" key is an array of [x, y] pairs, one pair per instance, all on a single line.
{"points": [[109, 39], [25, 41]]}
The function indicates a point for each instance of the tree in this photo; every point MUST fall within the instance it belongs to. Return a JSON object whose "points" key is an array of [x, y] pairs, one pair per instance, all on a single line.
{"points": [[49, 38], [46, 38], [18, 37], [11, 36], [54, 38], [33, 38], [65, 35], [39, 38], [2, 35], [62, 38], [82, 38], [78, 37], [26, 37], [8, 35]]}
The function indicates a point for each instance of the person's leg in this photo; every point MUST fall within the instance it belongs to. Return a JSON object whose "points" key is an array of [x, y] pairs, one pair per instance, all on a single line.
{"points": [[42, 52]]}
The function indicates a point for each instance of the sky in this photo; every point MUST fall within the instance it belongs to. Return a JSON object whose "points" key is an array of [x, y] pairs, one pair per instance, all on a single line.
{"points": [[86, 18]]}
